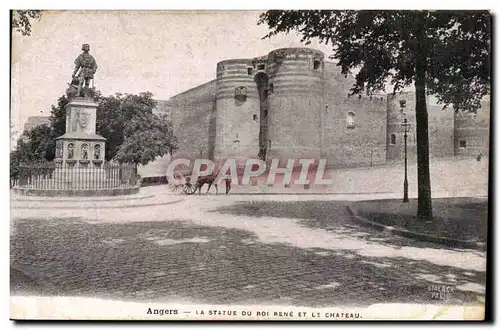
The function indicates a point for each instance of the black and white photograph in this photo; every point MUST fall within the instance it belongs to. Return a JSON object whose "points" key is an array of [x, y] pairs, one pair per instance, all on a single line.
{"points": [[250, 165]]}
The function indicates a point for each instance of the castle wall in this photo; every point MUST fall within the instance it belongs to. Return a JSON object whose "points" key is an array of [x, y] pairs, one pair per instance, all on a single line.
{"points": [[296, 92], [237, 110], [344, 144], [192, 122], [395, 134], [441, 131], [163, 107], [472, 131], [441, 128], [309, 115]]}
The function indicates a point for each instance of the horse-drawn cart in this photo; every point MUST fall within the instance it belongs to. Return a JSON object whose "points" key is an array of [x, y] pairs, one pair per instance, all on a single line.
{"points": [[185, 186], [189, 188]]}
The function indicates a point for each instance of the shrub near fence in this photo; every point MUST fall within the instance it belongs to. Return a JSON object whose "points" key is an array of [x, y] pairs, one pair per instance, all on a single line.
{"points": [[59, 176]]}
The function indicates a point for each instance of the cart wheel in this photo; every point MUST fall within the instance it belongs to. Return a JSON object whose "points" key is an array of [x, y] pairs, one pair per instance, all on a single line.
{"points": [[189, 189]]}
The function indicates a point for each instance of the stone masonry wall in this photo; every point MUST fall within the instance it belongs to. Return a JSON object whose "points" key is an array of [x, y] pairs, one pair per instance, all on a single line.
{"points": [[237, 110], [441, 128], [343, 144], [472, 131], [441, 131], [295, 102], [192, 113], [310, 115]]}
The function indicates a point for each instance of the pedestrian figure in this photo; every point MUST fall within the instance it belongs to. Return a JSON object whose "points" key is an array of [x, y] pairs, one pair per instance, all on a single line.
{"points": [[479, 157], [228, 185]]}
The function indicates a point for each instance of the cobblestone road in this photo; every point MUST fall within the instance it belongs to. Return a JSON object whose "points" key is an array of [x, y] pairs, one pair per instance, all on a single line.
{"points": [[233, 250]]}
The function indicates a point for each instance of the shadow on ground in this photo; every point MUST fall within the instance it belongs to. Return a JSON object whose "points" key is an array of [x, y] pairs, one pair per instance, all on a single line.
{"points": [[327, 215], [166, 261], [457, 218]]}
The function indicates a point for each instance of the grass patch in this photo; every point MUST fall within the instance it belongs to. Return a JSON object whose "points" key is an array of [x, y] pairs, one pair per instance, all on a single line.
{"points": [[457, 218]]}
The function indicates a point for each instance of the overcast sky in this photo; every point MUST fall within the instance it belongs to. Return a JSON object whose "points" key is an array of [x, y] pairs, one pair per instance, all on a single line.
{"points": [[162, 52]]}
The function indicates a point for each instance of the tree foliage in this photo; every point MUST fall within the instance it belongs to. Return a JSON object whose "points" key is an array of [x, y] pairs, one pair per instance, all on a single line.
{"points": [[384, 46], [443, 53], [110, 123], [133, 133], [58, 117], [22, 20], [34, 146], [146, 137]]}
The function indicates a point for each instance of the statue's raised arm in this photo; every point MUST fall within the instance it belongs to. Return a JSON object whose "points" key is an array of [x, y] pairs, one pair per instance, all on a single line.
{"points": [[85, 68]]}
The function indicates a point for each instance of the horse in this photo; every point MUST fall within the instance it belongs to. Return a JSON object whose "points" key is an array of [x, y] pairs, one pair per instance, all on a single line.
{"points": [[210, 180]]}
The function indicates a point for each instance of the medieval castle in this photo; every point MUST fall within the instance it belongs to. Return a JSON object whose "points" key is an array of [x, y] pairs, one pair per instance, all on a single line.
{"points": [[292, 103]]}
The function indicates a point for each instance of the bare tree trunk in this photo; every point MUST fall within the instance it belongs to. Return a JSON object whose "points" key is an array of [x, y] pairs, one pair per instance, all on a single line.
{"points": [[424, 179]]}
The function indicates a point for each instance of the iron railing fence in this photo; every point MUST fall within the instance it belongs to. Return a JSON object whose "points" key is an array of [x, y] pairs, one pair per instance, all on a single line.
{"points": [[59, 176]]}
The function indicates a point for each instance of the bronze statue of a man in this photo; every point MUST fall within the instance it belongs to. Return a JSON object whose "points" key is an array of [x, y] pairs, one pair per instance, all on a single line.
{"points": [[87, 65]]}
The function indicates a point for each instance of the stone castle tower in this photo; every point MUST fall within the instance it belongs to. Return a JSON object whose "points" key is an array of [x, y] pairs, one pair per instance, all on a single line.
{"points": [[292, 103]]}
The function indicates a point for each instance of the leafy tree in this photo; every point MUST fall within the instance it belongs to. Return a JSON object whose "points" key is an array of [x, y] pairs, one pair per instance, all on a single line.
{"points": [[124, 118], [34, 146], [110, 123], [146, 137], [133, 132], [21, 20], [37, 143], [444, 53], [58, 117], [130, 117]]}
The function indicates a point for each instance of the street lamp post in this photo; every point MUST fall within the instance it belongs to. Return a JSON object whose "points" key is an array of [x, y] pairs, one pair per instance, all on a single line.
{"points": [[406, 128]]}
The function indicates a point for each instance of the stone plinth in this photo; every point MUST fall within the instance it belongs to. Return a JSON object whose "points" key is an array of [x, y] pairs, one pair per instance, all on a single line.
{"points": [[80, 146]]}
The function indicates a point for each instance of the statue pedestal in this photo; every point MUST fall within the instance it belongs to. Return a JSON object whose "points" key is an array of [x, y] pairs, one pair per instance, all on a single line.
{"points": [[81, 114], [80, 146]]}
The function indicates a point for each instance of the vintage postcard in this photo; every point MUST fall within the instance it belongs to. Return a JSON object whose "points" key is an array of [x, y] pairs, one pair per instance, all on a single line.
{"points": [[249, 165]]}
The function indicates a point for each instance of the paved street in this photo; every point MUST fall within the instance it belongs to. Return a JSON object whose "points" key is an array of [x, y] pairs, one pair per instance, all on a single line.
{"points": [[287, 250]]}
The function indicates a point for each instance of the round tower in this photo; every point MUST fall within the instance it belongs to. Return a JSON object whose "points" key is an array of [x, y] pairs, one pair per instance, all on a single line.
{"points": [[237, 110], [296, 80]]}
